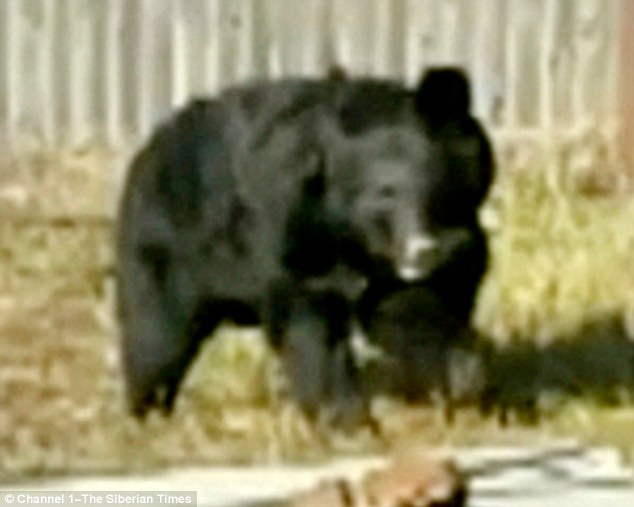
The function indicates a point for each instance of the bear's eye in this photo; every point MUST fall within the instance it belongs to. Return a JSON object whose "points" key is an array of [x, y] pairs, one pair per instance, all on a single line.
{"points": [[387, 192]]}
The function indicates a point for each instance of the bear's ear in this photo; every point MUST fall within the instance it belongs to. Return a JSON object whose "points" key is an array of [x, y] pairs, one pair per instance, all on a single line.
{"points": [[443, 95], [337, 73]]}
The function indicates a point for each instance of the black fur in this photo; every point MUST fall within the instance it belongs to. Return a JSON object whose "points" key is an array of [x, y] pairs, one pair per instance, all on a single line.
{"points": [[281, 204]]}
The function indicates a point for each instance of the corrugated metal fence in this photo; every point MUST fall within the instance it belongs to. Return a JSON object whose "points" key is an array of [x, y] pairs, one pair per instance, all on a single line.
{"points": [[81, 71]]}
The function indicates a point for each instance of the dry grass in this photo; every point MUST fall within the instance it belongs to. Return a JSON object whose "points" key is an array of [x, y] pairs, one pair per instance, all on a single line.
{"points": [[560, 260]]}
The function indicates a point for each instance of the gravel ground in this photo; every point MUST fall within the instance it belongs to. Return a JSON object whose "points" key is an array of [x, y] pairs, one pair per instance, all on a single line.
{"points": [[553, 476]]}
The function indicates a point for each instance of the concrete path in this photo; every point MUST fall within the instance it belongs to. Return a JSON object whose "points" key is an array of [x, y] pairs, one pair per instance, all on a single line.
{"points": [[553, 476]]}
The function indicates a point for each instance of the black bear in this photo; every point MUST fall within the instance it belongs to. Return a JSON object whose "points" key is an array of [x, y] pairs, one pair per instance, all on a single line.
{"points": [[280, 204], [463, 171], [424, 327]]}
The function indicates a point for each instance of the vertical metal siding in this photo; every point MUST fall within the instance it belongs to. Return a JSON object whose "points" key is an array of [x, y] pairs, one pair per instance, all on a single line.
{"points": [[76, 71]]}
